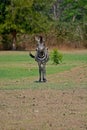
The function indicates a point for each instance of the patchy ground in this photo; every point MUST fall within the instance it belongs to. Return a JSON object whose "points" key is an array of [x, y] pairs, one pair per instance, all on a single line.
{"points": [[46, 107], [43, 109]]}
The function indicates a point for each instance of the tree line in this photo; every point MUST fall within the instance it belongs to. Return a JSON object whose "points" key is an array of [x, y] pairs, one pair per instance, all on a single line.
{"points": [[63, 22]]}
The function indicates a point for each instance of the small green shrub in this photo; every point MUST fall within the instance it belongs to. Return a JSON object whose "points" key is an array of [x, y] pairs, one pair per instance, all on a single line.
{"points": [[56, 56]]}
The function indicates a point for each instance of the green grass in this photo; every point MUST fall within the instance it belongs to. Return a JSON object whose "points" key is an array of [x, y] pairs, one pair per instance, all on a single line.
{"points": [[75, 57], [19, 71], [16, 66]]}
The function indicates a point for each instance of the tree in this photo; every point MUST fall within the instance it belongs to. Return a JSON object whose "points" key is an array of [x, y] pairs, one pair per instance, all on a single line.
{"points": [[11, 23], [71, 19], [24, 17]]}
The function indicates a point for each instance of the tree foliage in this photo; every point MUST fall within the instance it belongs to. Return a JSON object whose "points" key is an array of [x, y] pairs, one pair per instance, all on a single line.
{"points": [[68, 18], [23, 16], [71, 22]]}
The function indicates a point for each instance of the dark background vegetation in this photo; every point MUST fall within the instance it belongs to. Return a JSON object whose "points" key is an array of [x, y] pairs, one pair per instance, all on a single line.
{"points": [[63, 23]]}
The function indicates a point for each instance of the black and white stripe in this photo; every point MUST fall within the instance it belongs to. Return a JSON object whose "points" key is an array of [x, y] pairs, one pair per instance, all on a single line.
{"points": [[41, 57]]}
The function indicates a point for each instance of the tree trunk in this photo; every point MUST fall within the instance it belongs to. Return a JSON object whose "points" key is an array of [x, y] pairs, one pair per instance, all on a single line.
{"points": [[54, 11], [14, 33]]}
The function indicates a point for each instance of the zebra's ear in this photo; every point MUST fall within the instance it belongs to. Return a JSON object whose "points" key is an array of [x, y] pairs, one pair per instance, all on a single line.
{"points": [[37, 39], [43, 39]]}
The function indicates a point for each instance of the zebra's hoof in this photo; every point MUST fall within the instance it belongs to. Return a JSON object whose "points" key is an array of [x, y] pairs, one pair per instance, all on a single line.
{"points": [[44, 80], [39, 80]]}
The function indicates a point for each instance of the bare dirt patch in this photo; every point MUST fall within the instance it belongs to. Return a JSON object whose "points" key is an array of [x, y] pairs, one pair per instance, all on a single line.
{"points": [[43, 109], [77, 76]]}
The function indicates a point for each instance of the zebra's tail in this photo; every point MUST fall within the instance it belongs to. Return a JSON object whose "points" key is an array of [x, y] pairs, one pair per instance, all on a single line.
{"points": [[31, 55]]}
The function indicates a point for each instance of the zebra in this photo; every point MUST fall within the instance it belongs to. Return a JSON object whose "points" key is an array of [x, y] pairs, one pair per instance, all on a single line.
{"points": [[41, 57]]}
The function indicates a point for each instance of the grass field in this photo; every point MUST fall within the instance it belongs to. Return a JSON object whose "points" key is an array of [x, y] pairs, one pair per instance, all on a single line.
{"points": [[18, 70], [58, 104]]}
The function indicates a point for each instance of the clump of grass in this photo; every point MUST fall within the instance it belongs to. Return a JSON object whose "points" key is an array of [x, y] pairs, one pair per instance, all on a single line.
{"points": [[56, 56]]}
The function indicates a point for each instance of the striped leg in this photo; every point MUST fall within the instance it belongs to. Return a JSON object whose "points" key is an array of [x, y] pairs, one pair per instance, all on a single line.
{"points": [[44, 72], [40, 69]]}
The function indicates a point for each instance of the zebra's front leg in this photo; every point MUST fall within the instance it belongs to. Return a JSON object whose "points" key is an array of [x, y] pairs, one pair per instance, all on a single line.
{"points": [[39, 72], [44, 73]]}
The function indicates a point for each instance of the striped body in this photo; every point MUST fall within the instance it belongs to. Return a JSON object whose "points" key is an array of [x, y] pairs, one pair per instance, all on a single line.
{"points": [[42, 57]]}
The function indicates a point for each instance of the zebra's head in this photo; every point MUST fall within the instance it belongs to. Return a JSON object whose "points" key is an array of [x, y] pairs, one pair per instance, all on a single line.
{"points": [[40, 46]]}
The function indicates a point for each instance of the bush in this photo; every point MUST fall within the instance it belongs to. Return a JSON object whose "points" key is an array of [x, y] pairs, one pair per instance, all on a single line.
{"points": [[56, 57]]}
